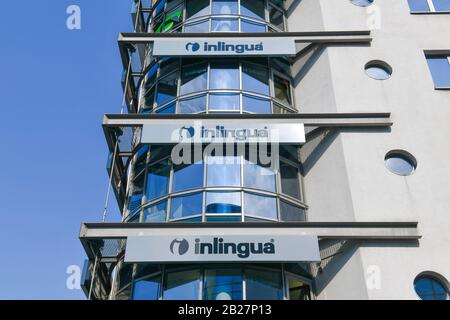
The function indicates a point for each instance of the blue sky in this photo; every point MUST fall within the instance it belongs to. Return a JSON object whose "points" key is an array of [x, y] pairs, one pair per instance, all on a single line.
{"points": [[55, 85]]}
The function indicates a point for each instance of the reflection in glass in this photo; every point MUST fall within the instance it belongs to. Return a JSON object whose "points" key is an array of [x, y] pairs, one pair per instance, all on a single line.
{"points": [[193, 79], [247, 26], [290, 183], [224, 171], [224, 76], [276, 18], [157, 180], [263, 284], [147, 289], [224, 25], [187, 177], [258, 177], [136, 193], [193, 105], [185, 206], [225, 7], [197, 27], [298, 290], [255, 79], [223, 202], [197, 8], [253, 8], [429, 288], [282, 90], [256, 105], [182, 285], [260, 206], [222, 284], [224, 101], [156, 212]]}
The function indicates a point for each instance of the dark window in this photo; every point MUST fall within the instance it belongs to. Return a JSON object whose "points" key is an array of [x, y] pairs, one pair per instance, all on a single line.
{"points": [[157, 180], [263, 284], [290, 183], [253, 8], [197, 8], [289, 212], [276, 18], [193, 79], [282, 89]]}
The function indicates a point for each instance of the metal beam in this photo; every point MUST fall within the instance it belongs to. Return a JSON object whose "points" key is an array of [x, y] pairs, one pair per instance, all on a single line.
{"points": [[324, 230], [328, 120]]}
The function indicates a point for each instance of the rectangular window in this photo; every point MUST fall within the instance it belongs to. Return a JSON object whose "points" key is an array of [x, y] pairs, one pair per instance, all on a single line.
{"points": [[186, 206], [429, 5], [440, 70]]}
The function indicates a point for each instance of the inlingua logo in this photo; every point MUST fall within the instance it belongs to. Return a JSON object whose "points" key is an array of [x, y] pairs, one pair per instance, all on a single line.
{"points": [[186, 132], [179, 246], [222, 46], [193, 46]]}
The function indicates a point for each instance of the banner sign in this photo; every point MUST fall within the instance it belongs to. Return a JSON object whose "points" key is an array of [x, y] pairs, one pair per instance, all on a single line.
{"points": [[223, 131], [270, 46], [222, 248]]}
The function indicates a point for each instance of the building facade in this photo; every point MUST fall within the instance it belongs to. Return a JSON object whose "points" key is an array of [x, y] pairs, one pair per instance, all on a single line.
{"points": [[368, 80]]}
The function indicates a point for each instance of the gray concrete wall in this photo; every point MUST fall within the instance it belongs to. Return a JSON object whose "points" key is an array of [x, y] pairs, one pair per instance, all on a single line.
{"points": [[349, 180]]}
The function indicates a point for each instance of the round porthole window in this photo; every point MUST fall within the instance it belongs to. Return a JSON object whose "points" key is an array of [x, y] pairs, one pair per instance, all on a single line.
{"points": [[400, 162], [362, 3], [431, 287], [378, 70]]}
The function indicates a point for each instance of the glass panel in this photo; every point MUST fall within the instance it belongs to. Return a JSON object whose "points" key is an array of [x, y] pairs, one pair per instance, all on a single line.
{"points": [[173, 19], [125, 274], [260, 206], [442, 5], [147, 289], [167, 110], [156, 212], [223, 202], [167, 88], [429, 288], [168, 65], [188, 176], [202, 26], [197, 8], [282, 90], [193, 105], [224, 172], [185, 206], [255, 79], [222, 101], [182, 285], [298, 290], [223, 284], [256, 105], [290, 183], [440, 70], [263, 284], [193, 79], [400, 164], [258, 177], [136, 193], [224, 76], [157, 180], [223, 218], [377, 72], [253, 8], [224, 25], [418, 5], [140, 160], [276, 18], [224, 7], [288, 212], [247, 26]]}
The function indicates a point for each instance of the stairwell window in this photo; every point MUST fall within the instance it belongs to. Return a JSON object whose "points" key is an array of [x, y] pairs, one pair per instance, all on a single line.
{"points": [[430, 6]]}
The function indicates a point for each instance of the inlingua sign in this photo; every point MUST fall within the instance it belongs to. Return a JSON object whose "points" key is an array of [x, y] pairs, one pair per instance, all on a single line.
{"points": [[267, 46], [187, 248], [223, 131]]}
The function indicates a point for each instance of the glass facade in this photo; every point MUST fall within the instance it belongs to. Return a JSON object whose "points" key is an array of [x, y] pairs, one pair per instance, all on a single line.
{"points": [[214, 282], [217, 186]]}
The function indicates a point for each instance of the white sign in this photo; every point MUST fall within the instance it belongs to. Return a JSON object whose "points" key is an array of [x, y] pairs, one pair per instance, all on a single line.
{"points": [[223, 131], [270, 46], [233, 248]]}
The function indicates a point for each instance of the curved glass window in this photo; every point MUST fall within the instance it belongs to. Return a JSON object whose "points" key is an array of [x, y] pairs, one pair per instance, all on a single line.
{"points": [[156, 212], [260, 206], [186, 206], [429, 287], [257, 176], [362, 3], [289, 212], [187, 177], [136, 194], [189, 86], [157, 180], [217, 16], [214, 282], [182, 285], [223, 284], [378, 70], [223, 202], [224, 76], [224, 171], [263, 284]]}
